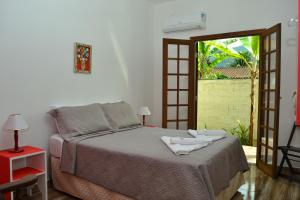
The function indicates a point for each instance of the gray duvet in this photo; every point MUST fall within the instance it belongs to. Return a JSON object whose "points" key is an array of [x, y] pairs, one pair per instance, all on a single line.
{"points": [[136, 163]]}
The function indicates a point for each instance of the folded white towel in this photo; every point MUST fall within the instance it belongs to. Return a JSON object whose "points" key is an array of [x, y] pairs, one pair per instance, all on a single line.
{"points": [[208, 135], [180, 149], [187, 141]]}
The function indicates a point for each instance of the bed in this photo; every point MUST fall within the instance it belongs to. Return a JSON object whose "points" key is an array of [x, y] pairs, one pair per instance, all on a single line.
{"points": [[132, 163]]}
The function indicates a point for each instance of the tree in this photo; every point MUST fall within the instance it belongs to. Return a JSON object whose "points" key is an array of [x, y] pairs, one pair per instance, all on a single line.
{"points": [[250, 58], [208, 58]]}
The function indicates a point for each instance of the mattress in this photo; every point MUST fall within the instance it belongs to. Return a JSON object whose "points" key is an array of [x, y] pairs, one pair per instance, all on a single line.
{"points": [[56, 145]]}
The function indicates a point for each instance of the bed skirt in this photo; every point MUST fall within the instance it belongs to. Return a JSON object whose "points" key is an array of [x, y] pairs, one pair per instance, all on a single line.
{"points": [[83, 189]]}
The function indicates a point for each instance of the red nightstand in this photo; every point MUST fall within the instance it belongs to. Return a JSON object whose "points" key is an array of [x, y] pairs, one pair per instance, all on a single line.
{"points": [[14, 166]]}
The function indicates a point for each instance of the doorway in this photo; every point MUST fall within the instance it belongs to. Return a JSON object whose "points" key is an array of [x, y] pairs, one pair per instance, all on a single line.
{"points": [[180, 96], [227, 82]]}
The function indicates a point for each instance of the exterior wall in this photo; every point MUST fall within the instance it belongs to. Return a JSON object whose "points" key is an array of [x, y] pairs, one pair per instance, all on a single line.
{"points": [[222, 102]]}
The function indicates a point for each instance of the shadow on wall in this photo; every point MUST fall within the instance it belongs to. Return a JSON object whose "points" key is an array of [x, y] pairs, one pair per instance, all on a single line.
{"points": [[7, 139], [118, 52]]}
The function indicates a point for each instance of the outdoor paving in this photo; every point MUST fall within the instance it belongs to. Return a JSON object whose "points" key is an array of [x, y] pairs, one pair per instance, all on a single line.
{"points": [[250, 154]]}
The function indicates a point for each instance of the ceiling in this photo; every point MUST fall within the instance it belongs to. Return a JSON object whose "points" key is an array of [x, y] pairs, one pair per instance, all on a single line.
{"points": [[159, 1]]}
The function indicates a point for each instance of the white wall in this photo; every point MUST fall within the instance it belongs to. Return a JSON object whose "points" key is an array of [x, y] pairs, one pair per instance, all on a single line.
{"points": [[229, 16], [36, 58]]}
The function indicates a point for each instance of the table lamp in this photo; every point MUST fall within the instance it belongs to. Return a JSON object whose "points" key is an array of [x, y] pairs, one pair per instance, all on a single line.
{"points": [[16, 123], [144, 111]]}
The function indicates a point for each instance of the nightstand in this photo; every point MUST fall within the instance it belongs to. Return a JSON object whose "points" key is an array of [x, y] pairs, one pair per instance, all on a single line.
{"points": [[14, 166]]}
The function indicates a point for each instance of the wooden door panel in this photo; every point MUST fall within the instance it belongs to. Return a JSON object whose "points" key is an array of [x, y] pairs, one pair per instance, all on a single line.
{"points": [[177, 84], [269, 100]]}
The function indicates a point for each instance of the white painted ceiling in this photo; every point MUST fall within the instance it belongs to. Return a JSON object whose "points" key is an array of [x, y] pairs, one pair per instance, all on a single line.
{"points": [[159, 1]]}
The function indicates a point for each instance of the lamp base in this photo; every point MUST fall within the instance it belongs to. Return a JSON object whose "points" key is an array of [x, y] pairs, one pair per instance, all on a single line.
{"points": [[16, 149], [19, 150]]}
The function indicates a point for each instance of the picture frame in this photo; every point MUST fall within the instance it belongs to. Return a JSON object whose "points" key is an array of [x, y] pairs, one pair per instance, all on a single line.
{"points": [[83, 58]]}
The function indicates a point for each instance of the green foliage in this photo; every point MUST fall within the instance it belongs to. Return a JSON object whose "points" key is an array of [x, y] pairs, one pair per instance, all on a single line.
{"points": [[252, 45], [226, 49], [208, 58], [249, 58], [211, 75], [242, 132], [240, 62], [212, 53]]}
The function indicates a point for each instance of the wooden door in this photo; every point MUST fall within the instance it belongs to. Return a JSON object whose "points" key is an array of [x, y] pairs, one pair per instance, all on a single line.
{"points": [[178, 84], [269, 100]]}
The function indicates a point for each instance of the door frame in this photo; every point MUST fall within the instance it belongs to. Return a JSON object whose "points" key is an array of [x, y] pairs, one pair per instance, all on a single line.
{"points": [[228, 35]]}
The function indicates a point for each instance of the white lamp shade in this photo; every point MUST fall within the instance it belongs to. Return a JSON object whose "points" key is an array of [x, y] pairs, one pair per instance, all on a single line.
{"points": [[15, 122], [145, 111]]}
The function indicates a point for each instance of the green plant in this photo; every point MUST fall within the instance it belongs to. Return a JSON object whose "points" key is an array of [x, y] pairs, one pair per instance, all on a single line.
{"points": [[249, 58], [235, 62], [211, 75], [208, 58], [242, 132]]}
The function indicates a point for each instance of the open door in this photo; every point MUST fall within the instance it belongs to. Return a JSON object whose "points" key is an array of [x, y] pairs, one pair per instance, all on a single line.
{"points": [[179, 89], [178, 84], [269, 100]]}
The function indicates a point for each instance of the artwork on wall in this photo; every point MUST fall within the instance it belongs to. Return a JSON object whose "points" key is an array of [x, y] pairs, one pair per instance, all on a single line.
{"points": [[83, 58]]}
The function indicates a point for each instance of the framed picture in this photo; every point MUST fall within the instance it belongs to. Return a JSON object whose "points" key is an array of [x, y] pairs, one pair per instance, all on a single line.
{"points": [[83, 58]]}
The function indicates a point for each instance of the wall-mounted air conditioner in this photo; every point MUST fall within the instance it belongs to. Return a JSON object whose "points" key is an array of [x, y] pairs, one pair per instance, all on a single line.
{"points": [[186, 22]]}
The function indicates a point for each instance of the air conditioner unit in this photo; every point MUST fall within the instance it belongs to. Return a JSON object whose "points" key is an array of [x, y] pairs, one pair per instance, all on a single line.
{"points": [[187, 22]]}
